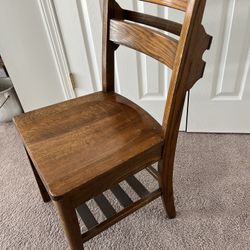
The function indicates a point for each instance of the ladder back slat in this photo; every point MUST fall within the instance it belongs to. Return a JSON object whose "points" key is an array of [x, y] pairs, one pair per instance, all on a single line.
{"points": [[137, 186], [153, 21], [86, 216], [153, 172], [152, 43], [120, 215], [121, 196], [175, 4], [105, 206]]}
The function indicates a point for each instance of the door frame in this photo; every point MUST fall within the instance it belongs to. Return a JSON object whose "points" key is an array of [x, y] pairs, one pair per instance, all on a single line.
{"points": [[50, 21]]}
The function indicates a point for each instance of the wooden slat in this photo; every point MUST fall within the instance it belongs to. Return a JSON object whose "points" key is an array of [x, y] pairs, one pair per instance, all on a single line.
{"points": [[121, 196], [110, 10], [86, 216], [105, 206], [120, 215], [137, 186], [153, 172], [156, 22], [148, 41], [176, 4]]}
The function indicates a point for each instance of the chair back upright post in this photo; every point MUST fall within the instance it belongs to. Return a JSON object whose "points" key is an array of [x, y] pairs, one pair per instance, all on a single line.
{"points": [[188, 69], [183, 57]]}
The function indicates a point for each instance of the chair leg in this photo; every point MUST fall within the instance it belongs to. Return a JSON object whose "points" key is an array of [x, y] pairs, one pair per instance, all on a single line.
{"points": [[70, 224], [43, 191], [166, 184]]}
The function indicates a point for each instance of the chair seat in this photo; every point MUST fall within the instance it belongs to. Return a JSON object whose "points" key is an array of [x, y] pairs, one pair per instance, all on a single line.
{"points": [[74, 143]]}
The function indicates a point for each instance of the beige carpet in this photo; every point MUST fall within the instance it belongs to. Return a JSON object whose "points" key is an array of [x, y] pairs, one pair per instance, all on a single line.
{"points": [[212, 186]]}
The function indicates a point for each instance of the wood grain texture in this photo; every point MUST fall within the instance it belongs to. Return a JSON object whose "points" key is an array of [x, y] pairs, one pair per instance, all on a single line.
{"points": [[120, 215], [188, 68], [82, 147], [153, 21], [70, 224], [110, 10], [76, 142], [42, 189], [152, 43], [176, 4], [106, 207]]}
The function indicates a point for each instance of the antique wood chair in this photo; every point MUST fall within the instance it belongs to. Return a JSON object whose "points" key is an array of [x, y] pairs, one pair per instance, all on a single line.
{"points": [[80, 148]]}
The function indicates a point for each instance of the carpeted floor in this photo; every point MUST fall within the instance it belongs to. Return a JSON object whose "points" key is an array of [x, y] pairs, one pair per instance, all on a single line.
{"points": [[212, 187]]}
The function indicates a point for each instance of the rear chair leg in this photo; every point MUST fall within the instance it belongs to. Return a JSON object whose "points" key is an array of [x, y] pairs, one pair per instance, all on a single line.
{"points": [[166, 184], [43, 191], [70, 224]]}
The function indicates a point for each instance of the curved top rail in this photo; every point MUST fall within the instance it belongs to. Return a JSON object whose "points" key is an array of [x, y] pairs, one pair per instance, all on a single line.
{"points": [[175, 4]]}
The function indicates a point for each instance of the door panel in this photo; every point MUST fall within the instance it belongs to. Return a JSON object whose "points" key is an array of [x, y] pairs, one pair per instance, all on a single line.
{"points": [[138, 77], [26, 49], [72, 27], [221, 101]]}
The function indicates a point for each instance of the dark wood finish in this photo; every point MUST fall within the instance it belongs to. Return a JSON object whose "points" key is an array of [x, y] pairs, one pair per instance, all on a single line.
{"points": [[120, 215], [121, 196], [83, 147], [112, 216], [185, 73], [151, 42], [176, 4], [87, 217], [110, 10], [42, 189], [153, 172], [103, 203], [70, 224], [137, 186], [73, 151], [118, 174], [156, 22], [105, 206]]}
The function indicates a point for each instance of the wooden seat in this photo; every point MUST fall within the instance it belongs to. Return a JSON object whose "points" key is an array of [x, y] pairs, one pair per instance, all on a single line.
{"points": [[81, 148], [73, 143]]}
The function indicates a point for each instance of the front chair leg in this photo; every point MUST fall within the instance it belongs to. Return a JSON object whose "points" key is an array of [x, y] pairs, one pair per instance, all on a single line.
{"points": [[43, 191], [70, 223], [165, 168]]}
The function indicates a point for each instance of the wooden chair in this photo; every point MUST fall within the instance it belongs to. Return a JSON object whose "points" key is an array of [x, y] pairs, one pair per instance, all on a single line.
{"points": [[82, 147]]}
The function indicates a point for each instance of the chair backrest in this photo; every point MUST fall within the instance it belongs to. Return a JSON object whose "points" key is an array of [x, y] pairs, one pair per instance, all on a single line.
{"points": [[183, 56]]}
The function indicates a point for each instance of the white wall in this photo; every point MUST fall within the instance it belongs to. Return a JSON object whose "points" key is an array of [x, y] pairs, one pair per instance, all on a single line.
{"points": [[26, 51]]}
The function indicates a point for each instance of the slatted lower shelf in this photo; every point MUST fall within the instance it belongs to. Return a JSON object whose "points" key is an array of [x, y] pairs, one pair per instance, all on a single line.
{"points": [[110, 213]]}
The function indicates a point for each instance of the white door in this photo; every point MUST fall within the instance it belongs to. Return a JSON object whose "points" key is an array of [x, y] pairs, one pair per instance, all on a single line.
{"points": [[34, 55], [138, 77], [220, 102], [27, 52]]}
